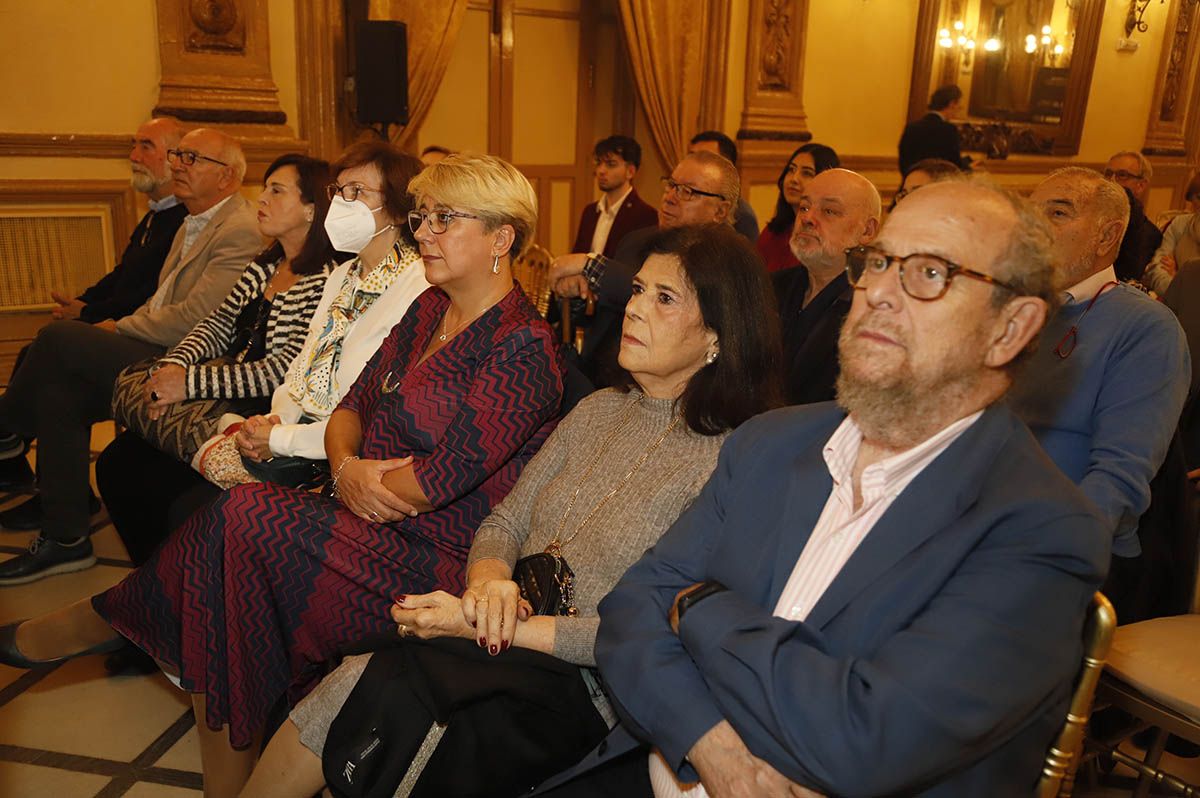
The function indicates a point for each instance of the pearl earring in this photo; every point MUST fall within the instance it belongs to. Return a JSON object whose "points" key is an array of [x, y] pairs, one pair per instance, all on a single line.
{"points": [[710, 358]]}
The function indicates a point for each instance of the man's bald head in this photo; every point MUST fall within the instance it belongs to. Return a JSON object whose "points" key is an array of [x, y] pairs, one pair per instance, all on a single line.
{"points": [[839, 209], [216, 172], [1088, 216]]}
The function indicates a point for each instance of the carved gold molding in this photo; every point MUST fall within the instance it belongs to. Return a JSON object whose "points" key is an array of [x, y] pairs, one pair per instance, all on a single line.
{"points": [[773, 106], [773, 120], [64, 145], [1173, 107], [216, 62]]}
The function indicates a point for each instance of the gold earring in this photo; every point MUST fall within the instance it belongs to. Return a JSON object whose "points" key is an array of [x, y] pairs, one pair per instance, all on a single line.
{"points": [[711, 357], [495, 264]]}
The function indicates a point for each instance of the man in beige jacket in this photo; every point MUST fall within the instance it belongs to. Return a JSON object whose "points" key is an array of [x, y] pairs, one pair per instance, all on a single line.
{"points": [[65, 383]]}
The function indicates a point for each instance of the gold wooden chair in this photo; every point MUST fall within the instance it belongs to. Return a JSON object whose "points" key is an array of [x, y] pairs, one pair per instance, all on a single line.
{"points": [[1153, 673], [572, 336], [532, 271], [1058, 772]]}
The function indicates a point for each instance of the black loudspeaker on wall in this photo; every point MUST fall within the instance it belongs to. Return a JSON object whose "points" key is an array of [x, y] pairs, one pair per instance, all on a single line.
{"points": [[381, 72]]}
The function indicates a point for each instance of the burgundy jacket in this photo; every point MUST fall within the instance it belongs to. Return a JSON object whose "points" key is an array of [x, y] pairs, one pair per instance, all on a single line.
{"points": [[633, 214]]}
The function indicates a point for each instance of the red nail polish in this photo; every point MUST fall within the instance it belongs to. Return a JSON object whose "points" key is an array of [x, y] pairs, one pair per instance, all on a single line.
{"points": [[482, 642], [504, 645], [494, 651], [400, 599]]}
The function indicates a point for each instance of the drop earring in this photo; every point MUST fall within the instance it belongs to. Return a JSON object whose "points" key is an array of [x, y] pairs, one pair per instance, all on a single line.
{"points": [[495, 264]]}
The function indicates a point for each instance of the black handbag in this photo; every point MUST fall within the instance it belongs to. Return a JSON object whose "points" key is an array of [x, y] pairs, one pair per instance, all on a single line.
{"points": [[291, 472], [547, 583]]}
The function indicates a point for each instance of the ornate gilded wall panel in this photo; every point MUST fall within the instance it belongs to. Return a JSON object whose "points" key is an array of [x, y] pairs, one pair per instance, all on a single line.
{"points": [[773, 118], [1174, 109], [216, 62]]}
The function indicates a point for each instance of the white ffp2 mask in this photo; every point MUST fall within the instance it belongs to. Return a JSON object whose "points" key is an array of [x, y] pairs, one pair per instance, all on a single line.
{"points": [[351, 225]]}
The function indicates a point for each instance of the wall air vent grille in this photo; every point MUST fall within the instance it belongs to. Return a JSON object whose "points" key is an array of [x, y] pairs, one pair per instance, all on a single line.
{"points": [[51, 248]]}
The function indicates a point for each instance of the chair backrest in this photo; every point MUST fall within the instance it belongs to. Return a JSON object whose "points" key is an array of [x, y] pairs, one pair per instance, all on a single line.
{"points": [[1058, 772], [532, 271]]}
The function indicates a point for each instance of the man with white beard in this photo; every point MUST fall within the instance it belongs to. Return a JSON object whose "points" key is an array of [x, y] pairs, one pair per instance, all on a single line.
{"points": [[131, 282], [135, 277]]}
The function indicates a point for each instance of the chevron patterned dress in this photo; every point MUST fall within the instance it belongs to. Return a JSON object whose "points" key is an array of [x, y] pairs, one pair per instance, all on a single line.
{"points": [[250, 597]]}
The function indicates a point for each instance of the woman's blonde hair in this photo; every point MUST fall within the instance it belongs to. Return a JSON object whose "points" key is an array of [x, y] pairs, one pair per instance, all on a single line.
{"points": [[489, 187]]}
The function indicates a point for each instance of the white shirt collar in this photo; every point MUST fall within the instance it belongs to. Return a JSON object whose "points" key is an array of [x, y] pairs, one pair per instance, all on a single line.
{"points": [[169, 201], [205, 217], [1085, 289], [604, 207]]}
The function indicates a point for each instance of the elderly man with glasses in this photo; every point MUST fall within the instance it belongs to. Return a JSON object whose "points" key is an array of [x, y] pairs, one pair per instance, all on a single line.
{"points": [[65, 383], [877, 597], [1104, 392], [703, 188], [1132, 171]]}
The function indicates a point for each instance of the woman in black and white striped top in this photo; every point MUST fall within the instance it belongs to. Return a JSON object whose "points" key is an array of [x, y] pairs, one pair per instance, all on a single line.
{"points": [[261, 325]]}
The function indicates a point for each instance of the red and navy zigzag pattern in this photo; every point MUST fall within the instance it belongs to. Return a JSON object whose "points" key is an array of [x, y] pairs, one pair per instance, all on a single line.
{"points": [[260, 588]]}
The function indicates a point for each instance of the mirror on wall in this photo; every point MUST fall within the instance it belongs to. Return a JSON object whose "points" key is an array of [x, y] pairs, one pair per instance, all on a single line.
{"points": [[1024, 67]]}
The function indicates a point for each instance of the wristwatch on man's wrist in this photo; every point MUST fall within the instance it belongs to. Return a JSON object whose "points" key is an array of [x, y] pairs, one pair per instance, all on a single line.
{"points": [[593, 269], [688, 600]]}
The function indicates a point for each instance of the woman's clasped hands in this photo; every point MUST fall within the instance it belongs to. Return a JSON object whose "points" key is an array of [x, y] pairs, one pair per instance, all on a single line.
{"points": [[360, 487], [488, 613], [254, 438]]}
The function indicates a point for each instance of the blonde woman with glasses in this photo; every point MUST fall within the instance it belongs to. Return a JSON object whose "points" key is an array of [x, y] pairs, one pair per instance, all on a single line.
{"points": [[247, 600]]}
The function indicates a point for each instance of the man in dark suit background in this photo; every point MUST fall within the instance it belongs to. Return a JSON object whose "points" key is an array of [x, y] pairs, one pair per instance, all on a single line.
{"points": [[702, 189], [881, 598], [620, 211], [934, 135]]}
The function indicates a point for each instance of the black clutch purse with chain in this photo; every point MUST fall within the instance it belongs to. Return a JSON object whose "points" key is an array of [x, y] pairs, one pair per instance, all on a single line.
{"points": [[547, 583]]}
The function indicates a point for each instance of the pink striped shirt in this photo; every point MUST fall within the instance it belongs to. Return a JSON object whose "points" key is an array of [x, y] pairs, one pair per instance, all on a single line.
{"points": [[838, 533]]}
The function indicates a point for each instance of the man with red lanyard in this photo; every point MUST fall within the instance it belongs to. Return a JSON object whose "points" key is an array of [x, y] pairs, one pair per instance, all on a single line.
{"points": [[1104, 392]]}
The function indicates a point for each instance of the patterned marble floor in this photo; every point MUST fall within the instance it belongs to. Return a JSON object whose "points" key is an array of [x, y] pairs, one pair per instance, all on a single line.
{"points": [[72, 731]]}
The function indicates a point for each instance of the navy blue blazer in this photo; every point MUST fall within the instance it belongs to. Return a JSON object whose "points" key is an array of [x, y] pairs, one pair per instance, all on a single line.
{"points": [[939, 661]]}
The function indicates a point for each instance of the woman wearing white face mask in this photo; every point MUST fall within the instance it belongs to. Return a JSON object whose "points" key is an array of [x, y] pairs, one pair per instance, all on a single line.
{"points": [[247, 598], [363, 300]]}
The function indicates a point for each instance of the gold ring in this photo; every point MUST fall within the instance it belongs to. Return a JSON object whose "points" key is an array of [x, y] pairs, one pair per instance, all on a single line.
{"points": [[403, 630]]}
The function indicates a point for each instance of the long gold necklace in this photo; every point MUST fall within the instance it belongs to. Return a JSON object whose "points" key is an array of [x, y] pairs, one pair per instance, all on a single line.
{"points": [[446, 334], [556, 545]]}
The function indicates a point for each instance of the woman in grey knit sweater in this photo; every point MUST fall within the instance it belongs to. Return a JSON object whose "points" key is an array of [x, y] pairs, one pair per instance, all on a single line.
{"points": [[700, 344]]}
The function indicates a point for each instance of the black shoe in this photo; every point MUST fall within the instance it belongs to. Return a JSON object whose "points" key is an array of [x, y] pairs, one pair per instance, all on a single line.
{"points": [[11, 445], [129, 660], [28, 514], [15, 474], [47, 557], [11, 656]]}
